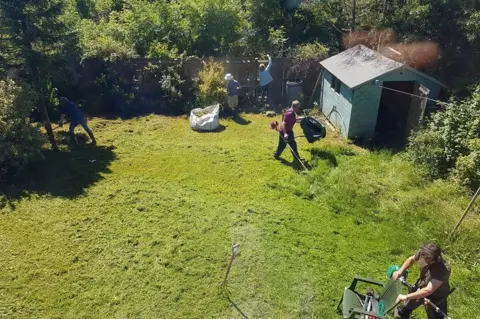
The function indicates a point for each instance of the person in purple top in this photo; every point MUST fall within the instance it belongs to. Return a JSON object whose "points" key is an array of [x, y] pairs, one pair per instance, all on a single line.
{"points": [[76, 118], [232, 90], [286, 131]]}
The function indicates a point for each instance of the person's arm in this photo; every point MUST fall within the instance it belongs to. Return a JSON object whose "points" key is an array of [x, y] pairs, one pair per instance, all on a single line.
{"points": [[431, 287], [269, 63], [228, 89], [282, 129], [62, 116], [407, 264]]}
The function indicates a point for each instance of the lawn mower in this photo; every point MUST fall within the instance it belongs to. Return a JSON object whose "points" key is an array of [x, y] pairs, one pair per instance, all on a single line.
{"points": [[373, 305]]}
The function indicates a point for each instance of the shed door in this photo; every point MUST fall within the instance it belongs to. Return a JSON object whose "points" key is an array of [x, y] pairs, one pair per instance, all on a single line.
{"points": [[417, 108]]}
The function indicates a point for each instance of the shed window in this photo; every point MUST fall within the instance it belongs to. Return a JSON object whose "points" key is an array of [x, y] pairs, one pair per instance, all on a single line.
{"points": [[336, 84]]}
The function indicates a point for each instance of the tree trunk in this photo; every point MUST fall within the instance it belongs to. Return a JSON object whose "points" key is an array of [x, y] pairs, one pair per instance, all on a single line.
{"points": [[31, 64], [46, 122], [354, 14]]}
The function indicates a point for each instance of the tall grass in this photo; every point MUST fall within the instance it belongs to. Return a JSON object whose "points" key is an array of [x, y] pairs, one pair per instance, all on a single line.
{"points": [[141, 226]]}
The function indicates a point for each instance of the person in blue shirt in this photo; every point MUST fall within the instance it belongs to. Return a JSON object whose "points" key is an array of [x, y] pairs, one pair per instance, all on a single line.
{"points": [[232, 90], [266, 80], [76, 116]]}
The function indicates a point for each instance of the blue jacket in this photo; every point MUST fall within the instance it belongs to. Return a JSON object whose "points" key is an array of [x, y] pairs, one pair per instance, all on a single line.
{"points": [[265, 77], [232, 88], [73, 112]]}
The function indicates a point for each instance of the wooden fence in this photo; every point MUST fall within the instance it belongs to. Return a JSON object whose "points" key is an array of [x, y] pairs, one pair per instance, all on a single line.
{"points": [[244, 69]]}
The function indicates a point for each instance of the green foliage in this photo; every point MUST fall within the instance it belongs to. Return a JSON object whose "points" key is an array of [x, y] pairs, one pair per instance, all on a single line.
{"points": [[305, 60], [162, 51], [151, 89], [39, 43], [467, 168], [113, 94], [427, 148], [38, 40], [106, 40], [306, 64], [211, 85], [158, 29], [450, 141], [20, 141], [164, 89], [310, 51]]}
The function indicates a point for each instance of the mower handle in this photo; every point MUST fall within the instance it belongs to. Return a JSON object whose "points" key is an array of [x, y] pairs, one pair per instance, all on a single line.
{"points": [[404, 282]]}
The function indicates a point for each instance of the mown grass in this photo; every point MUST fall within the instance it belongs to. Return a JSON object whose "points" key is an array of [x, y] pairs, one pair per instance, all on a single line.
{"points": [[142, 226]]}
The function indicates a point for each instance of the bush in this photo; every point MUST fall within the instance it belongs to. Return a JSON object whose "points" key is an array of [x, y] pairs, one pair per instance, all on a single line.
{"points": [[113, 94], [427, 149], [20, 142], [449, 145], [306, 59], [467, 168], [162, 51], [305, 64], [210, 84], [163, 89], [310, 51], [126, 91]]}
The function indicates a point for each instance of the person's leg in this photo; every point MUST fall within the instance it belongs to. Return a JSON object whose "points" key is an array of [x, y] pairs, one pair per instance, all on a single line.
{"points": [[263, 93], [431, 314], [71, 131], [89, 131], [270, 94], [294, 150], [404, 311], [230, 102], [235, 105], [281, 146]]}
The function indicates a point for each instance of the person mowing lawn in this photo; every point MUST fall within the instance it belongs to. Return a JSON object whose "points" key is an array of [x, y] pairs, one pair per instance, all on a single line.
{"points": [[232, 90], [286, 132], [76, 118], [433, 282]]}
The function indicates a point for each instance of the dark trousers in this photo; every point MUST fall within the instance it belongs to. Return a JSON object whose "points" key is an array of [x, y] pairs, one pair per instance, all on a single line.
{"points": [[282, 144], [267, 91], [83, 123], [404, 312]]}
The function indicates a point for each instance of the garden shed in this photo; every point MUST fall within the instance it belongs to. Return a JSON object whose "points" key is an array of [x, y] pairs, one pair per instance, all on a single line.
{"points": [[366, 95]]}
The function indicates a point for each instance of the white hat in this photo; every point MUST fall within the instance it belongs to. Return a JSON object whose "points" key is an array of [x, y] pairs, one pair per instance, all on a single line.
{"points": [[228, 77]]}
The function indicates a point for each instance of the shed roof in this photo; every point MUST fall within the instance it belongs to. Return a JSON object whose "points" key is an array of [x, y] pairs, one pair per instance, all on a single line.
{"points": [[360, 64]]}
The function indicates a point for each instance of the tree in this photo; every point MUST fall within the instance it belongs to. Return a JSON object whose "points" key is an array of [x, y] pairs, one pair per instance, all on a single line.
{"points": [[35, 41]]}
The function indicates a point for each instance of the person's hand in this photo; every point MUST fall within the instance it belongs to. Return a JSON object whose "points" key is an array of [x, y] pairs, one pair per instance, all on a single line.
{"points": [[62, 120], [426, 301], [396, 275], [285, 136], [401, 298]]}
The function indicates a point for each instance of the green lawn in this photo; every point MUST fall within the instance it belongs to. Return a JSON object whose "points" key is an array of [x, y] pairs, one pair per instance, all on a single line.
{"points": [[142, 225]]}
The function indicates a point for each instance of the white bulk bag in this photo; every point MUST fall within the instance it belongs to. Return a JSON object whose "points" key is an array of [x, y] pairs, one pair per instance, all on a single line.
{"points": [[206, 119]]}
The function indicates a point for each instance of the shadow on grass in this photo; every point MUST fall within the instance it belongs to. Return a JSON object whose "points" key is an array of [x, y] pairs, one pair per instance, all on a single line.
{"points": [[219, 129], [63, 174], [295, 165], [324, 155], [240, 120]]}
